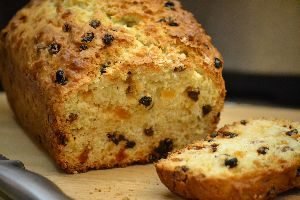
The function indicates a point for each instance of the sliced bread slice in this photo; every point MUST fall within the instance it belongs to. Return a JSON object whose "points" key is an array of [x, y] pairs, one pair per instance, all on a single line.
{"points": [[250, 159]]}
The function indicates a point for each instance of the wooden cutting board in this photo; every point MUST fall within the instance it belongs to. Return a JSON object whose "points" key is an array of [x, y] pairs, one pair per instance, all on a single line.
{"points": [[135, 182]]}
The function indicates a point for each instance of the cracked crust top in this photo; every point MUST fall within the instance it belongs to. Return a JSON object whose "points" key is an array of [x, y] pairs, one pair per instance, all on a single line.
{"points": [[68, 42]]}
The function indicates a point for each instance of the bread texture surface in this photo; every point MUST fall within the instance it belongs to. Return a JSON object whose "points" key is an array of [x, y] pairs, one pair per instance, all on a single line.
{"points": [[251, 159], [110, 83]]}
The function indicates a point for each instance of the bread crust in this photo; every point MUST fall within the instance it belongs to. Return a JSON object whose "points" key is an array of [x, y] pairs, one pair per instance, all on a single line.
{"points": [[260, 185], [30, 64]]}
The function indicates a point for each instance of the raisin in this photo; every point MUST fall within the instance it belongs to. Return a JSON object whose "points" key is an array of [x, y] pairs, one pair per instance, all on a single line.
{"points": [[83, 47], [129, 90], [229, 134], [243, 122], [169, 4], [108, 39], [214, 134], [146, 101], [60, 77], [262, 150], [149, 131], [130, 144], [169, 21], [184, 168], [66, 27], [292, 132], [61, 138], [172, 23], [113, 137], [72, 117], [95, 23], [206, 109], [54, 48], [179, 69], [218, 63], [214, 147], [164, 147], [232, 162], [162, 20], [117, 138], [88, 37], [298, 172], [121, 137], [193, 94], [103, 68]]}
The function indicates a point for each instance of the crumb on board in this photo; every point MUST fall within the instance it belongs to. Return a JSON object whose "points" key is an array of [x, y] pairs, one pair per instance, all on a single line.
{"points": [[98, 190], [119, 194]]}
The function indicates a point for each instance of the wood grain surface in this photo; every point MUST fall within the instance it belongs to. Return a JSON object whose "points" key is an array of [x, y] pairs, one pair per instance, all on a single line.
{"points": [[135, 182]]}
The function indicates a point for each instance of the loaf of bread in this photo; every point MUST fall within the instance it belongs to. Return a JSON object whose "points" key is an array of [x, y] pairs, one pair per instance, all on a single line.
{"points": [[112, 82], [250, 159]]}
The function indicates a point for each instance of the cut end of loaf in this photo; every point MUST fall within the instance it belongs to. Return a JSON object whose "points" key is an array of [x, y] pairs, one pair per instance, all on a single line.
{"points": [[139, 119]]}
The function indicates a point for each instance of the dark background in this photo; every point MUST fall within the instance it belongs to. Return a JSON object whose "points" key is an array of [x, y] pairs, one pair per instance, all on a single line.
{"points": [[7, 9], [255, 71]]}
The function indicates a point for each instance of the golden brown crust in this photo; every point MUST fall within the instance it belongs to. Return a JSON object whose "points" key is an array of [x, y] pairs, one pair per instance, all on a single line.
{"points": [[260, 185], [32, 57], [21, 41]]}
